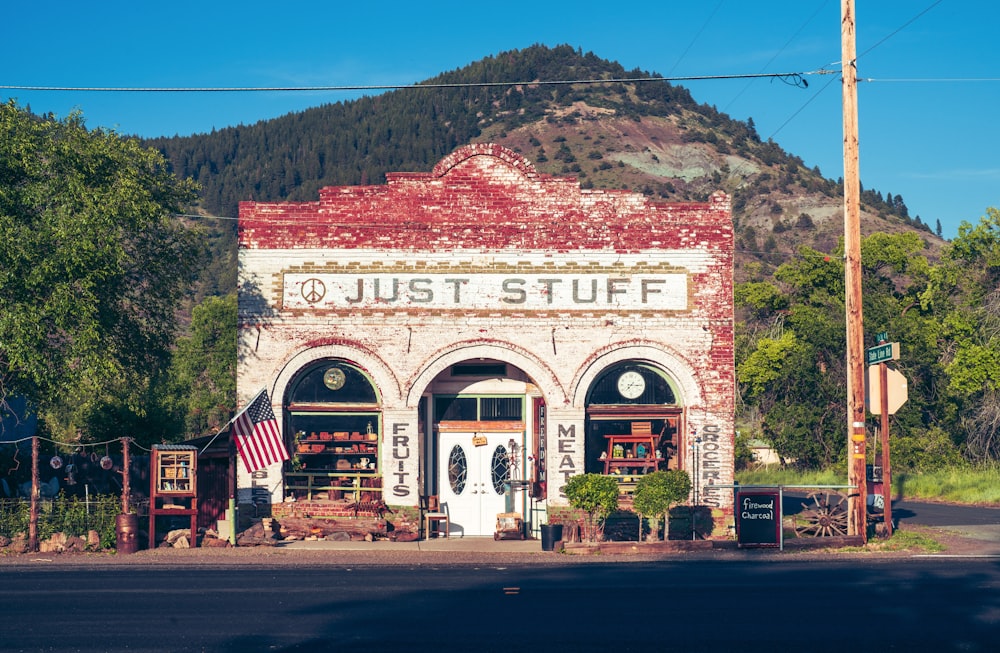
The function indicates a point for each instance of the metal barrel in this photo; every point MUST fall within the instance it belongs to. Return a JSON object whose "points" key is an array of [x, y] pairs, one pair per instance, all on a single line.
{"points": [[127, 533]]}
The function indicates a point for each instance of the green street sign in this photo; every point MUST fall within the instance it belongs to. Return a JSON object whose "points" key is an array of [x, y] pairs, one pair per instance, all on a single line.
{"points": [[882, 336], [881, 353]]}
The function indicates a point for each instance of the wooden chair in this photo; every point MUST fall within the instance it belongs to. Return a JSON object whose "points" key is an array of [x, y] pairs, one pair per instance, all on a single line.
{"points": [[437, 514]]}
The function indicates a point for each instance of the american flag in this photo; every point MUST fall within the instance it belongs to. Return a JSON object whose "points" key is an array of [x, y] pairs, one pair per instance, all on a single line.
{"points": [[258, 438]]}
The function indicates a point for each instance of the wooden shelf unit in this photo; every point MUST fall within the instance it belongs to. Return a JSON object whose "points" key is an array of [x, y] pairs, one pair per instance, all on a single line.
{"points": [[629, 457], [341, 464]]}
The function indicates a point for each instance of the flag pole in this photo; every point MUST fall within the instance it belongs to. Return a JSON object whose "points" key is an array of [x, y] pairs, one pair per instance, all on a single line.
{"points": [[232, 513], [233, 419]]}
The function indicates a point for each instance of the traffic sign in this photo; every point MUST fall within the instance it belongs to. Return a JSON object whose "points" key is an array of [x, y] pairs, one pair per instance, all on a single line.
{"points": [[898, 392], [881, 353]]}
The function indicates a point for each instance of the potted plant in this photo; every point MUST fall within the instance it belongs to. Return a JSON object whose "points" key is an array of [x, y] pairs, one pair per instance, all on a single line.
{"points": [[655, 494], [594, 494]]}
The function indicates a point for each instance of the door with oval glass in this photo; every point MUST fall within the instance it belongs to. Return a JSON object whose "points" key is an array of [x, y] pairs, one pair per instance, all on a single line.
{"points": [[473, 468]]}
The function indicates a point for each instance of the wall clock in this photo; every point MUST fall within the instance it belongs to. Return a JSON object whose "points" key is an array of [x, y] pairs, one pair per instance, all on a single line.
{"points": [[631, 384], [334, 378]]}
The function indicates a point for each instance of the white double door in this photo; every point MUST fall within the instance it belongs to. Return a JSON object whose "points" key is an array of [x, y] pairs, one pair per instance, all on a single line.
{"points": [[473, 469]]}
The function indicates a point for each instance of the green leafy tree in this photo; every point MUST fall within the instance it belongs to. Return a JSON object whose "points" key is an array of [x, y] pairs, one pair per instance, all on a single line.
{"points": [[962, 291], [594, 494], [203, 369], [656, 493], [92, 266]]}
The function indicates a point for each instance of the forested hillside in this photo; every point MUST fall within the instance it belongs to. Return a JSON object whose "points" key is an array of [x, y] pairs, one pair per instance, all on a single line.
{"points": [[937, 299], [649, 136]]}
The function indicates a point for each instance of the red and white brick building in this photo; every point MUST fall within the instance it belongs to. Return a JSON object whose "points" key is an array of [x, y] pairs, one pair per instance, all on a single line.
{"points": [[474, 333]]}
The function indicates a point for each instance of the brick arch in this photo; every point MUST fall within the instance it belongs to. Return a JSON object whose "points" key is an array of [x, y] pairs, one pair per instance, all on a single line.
{"points": [[466, 152], [680, 371], [381, 374], [537, 371]]}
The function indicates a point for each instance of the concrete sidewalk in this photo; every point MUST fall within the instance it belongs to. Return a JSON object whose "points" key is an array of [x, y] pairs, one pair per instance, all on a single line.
{"points": [[453, 544]]}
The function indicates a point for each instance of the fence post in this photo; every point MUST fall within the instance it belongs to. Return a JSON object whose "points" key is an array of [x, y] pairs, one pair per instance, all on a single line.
{"points": [[35, 490]]}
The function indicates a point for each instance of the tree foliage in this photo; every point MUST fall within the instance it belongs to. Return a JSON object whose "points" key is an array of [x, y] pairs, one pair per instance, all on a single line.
{"points": [[656, 493], [594, 494], [92, 265], [946, 316], [203, 369], [965, 291]]}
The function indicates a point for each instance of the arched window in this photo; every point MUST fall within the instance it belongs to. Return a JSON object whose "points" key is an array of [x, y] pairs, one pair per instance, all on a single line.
{"points": [[632, 399], [632, 384], [334, 424]]}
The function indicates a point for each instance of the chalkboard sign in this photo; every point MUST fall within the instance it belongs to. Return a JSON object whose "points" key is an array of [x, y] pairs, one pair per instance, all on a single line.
{"points": [[758, 518]]}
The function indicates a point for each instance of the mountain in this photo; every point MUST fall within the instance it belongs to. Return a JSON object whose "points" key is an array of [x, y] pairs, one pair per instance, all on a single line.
{"points": [[646, 135]]}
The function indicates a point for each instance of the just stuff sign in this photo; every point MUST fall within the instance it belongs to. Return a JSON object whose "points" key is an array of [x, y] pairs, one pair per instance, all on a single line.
{"points": [[639, 292]]}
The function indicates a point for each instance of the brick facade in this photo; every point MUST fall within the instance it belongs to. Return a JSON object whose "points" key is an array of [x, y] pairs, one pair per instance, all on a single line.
{"points": [[486, 260]]}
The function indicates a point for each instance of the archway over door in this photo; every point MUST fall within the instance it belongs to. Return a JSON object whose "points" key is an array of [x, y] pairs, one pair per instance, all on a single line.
{"points": [[484, 434]]}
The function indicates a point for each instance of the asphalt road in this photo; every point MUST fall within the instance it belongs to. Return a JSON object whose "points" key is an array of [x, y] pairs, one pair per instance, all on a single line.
{"points": [[759, 603], [919, 513]]}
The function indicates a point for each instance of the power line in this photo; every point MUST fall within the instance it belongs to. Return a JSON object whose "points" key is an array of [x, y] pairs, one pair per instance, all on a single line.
{"points": [[900, 28], [795, 78], [877, 44], [931, 80], [801, 108], [778, 53], [697, 36]]}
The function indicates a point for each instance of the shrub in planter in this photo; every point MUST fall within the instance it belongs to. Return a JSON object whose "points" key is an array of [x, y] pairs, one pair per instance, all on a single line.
{"points": [[654, 495], [594, 494]]}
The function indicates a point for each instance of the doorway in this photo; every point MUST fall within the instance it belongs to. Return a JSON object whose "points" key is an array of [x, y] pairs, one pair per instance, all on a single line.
{"points": [[474, 482]]}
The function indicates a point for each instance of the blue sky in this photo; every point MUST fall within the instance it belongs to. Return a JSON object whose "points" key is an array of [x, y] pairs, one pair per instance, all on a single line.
{"points": [[926, 117]]}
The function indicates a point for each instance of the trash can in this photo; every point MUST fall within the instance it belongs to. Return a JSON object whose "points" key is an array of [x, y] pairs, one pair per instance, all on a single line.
{"points": [[127, 533], [551, 533]]}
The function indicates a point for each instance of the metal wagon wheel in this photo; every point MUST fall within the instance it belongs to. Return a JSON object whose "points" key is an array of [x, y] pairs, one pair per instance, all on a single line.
{"points": [[824, 514]]}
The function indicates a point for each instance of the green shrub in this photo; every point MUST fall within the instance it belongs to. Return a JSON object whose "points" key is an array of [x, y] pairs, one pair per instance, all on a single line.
{"points": [[594, 494], [655, 494]]}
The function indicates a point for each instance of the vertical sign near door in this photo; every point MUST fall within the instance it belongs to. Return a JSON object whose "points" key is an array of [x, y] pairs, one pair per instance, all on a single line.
{"points": [[398, 470]]}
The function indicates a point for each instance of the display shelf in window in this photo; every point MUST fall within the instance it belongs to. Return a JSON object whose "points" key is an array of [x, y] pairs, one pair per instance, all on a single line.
{"points": [[333, 486], [629, 457], [342, 451]]}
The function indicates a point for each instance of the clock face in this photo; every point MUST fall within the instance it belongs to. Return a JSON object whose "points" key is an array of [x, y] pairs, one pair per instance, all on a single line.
{"points": [[334, 378], [631, 384]]}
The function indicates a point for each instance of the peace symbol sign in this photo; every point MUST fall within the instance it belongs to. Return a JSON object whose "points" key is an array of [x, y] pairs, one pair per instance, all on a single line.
{"points": [[313, 290]]}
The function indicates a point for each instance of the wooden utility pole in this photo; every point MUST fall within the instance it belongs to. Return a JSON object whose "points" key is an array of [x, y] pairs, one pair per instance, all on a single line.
{"points": [[857, 519]]}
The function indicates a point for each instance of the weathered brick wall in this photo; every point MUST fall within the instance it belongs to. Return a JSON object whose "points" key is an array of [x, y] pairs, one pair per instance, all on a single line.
{"points": [[485, 258]]}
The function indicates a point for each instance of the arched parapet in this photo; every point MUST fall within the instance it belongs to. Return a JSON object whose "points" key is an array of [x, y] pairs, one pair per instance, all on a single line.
{"points": [[513, 159]]}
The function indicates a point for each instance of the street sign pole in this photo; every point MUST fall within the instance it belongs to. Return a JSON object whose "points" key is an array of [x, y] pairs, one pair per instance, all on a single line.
{"points": [[883, 375]]}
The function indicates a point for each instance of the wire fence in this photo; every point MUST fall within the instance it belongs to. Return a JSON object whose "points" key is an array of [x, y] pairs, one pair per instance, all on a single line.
{"points": [[74, 516]]}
